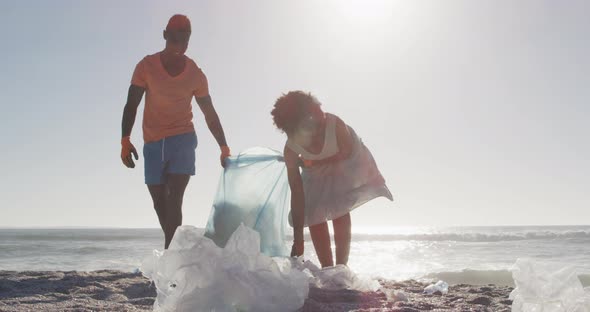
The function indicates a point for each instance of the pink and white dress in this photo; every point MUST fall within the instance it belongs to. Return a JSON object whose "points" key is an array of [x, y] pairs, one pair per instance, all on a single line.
{"points": [[334, 189]]}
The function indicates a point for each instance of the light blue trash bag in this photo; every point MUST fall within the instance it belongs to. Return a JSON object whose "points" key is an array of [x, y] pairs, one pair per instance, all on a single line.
{"points": [[254, 190]]}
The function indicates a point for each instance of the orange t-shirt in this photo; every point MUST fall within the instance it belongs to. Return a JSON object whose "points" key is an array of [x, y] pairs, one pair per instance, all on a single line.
{"points": [[168, 109]]}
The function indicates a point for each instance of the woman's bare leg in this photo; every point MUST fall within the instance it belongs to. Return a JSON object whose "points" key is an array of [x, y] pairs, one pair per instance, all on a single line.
{"points": [[342, 236], [320, 235]]}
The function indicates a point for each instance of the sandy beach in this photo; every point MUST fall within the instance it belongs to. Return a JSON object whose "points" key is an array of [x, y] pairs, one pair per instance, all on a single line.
{"points": [[111, 290]]}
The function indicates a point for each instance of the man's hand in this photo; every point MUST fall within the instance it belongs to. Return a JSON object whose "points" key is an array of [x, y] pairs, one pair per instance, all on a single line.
{"points": [[225, 153], [126, 150], [297, 248]]}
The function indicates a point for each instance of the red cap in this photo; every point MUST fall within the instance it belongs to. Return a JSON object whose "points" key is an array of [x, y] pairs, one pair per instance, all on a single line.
{"points": [[179, 22]]}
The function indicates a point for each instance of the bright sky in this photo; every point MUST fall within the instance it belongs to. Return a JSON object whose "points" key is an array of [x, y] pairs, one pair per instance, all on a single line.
{"points": [[476, 111]]}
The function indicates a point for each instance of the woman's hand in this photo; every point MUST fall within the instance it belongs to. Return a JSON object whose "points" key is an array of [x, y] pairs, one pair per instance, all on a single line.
{"points": [[297, 249]]}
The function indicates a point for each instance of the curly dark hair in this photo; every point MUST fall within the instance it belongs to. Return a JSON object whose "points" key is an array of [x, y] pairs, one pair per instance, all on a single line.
{"points": [[291, 107]]}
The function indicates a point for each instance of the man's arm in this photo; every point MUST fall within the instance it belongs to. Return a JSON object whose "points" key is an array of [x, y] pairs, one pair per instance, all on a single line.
{"points": [[127, 149], [212, 120], [133, 99], [214, 125]]}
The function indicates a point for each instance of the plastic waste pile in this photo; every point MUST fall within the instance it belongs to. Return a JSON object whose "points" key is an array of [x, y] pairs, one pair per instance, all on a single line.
{"points": [[194, 274], [547, 288]]}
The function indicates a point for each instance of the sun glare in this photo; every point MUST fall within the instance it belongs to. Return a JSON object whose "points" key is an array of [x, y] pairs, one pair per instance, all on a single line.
{"points": [[364, 11]]}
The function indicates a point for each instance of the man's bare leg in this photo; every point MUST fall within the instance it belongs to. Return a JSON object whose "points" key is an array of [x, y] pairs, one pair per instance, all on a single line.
{"points": [[158, 193], [176, 184], [167, 199]]}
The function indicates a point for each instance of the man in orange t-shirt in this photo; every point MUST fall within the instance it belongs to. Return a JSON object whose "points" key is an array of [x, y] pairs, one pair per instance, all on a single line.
{"points": [[170, 80]]}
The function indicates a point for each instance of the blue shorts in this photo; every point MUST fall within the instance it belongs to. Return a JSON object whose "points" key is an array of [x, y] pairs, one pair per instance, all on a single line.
{"points": [[174, 154]]}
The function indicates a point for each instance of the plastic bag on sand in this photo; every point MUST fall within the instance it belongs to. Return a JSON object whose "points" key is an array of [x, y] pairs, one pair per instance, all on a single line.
{"points": [[333, 278], [194, 274], [253, 189], [542, 287]]}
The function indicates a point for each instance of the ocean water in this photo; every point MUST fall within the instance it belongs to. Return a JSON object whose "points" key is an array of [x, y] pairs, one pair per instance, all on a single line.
{"points": [[476, 255]]}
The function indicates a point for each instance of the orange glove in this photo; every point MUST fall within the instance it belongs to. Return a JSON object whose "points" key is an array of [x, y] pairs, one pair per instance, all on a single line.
{"points": [[225, 153], [126, 150]]}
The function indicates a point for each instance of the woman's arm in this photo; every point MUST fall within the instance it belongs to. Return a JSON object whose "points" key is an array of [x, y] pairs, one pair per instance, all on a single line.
{"points": [[297, 200]]}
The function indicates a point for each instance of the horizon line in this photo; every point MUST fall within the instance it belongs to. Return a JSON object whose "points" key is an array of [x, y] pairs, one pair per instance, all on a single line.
{"points": [[61, 227]]}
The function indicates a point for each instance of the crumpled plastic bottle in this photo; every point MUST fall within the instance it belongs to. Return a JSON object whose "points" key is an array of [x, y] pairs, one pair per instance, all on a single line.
{"points": [[441, 286]]}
